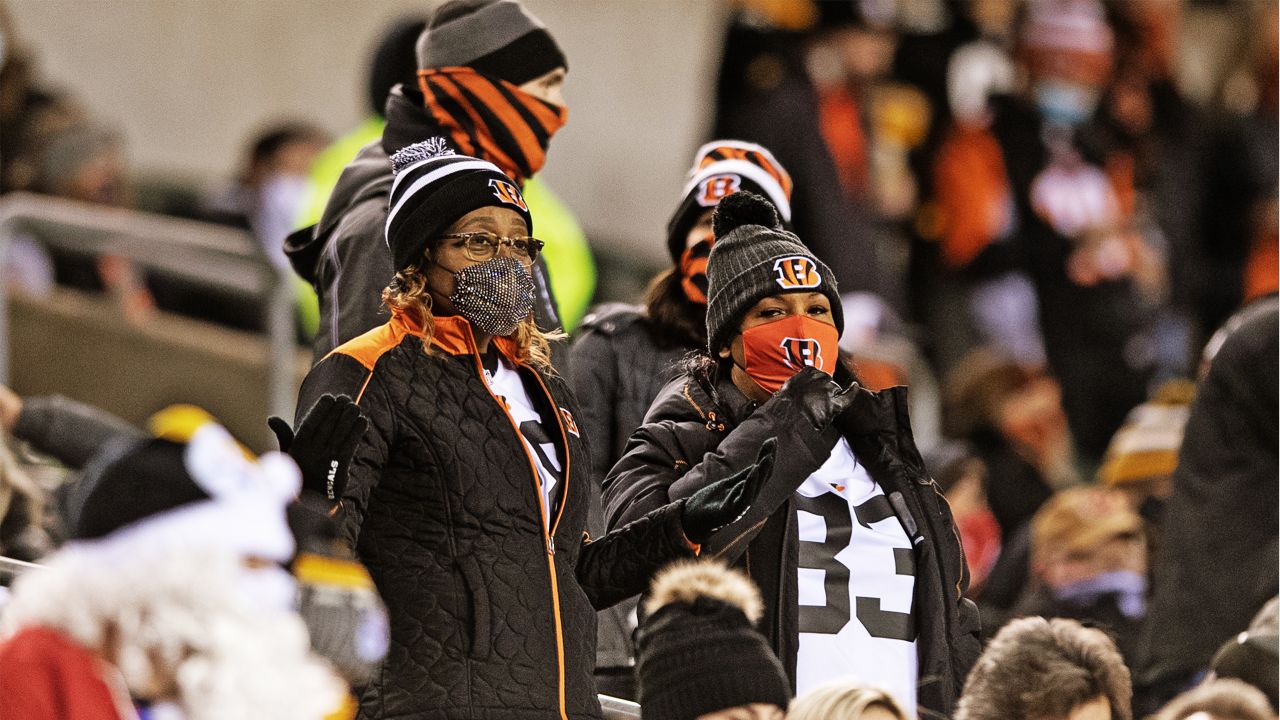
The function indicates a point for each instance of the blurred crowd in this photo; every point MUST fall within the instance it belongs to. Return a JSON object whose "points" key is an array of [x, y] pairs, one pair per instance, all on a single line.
{"points": [[1013, 208]]}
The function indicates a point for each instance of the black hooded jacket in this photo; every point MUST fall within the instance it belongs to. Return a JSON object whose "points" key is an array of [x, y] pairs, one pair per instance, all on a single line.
{"points": [[696, 434], [345, 256], [492, 613]]}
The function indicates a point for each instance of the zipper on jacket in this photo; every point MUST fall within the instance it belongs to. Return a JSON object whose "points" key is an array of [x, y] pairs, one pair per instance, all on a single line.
{"points": [[548, 533]]}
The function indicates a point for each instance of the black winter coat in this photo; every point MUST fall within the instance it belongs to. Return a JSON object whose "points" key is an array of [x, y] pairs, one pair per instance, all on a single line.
{"points": [[491, 616], [345, 256], [1220, 542], [616, 368], [696, 434]]}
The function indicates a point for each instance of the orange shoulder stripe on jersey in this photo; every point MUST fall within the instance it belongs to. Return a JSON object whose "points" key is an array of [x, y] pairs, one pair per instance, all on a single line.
{"points": [[367, 348]]}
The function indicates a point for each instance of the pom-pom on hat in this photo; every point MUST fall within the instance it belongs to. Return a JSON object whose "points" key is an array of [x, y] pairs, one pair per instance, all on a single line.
{"points": [[753, 258], [434, 187], [499, 38], [698, 649], [721, 168]]}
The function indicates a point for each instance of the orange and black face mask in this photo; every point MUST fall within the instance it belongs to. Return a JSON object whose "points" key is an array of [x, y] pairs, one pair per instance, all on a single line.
{"points": [[775, 351], [492, 119], [693, 269]]}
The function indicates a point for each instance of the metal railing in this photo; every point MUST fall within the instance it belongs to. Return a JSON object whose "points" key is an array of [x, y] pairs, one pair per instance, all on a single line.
{"points": [[216, 256], [11, 568], [618, 709]]}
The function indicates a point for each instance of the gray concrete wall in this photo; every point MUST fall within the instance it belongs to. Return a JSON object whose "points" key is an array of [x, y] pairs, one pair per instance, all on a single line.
{"points": [[189, 80]]}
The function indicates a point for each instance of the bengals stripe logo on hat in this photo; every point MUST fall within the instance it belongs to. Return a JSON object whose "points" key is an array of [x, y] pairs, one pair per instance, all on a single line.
{"points": [[753, 154], [802, 352], [715, 188], [797, 272], [508, 193]]}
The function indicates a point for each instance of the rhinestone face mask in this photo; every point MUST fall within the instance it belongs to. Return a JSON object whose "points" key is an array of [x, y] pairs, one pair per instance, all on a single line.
{"points": [[494, 295]]}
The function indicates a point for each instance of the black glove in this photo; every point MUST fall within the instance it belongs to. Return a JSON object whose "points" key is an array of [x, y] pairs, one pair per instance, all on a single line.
{"points": [[821, 400], [724, 501], [323, 443]]}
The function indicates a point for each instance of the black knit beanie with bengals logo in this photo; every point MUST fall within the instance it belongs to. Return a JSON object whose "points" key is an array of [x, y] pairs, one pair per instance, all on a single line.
{"points": [[753, 258], [433, 188]]}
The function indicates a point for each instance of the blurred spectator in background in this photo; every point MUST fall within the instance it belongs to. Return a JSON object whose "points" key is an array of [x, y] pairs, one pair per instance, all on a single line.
{"points": [[1219, 700], [1142, 455], [1089, 563], [1013, 419], [1038, 669], [1239, 245], [961, 476], [170, 593], [270, 187], [265, 196], [845, 700], [697, 615], [624, 355], [1021, 193], [818, 103], [1218, 561]]}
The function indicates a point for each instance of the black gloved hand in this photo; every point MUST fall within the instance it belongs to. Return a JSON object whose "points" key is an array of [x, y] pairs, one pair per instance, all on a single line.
{"points": [[724, 501], [323, 443], [820, 398]]}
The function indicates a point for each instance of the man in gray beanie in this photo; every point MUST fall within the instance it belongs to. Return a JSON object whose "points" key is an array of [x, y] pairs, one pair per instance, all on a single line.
{"points": [[489, 83], [495, 37]]}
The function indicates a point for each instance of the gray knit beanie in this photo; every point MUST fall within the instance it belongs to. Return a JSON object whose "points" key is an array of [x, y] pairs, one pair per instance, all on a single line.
{"points": [[753, 258], [499, 38]]}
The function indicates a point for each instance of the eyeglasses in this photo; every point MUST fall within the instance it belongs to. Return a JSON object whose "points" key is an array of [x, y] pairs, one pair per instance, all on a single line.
{"points": [[481, 246]]}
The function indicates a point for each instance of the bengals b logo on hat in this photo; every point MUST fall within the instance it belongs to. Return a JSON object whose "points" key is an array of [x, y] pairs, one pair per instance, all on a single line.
{"points": [[715, 188], [802, 352], [508, 193], [797, 273]]}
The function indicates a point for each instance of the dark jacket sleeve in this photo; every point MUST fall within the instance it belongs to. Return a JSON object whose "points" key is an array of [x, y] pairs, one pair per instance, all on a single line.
{"points": [[668, 460], [620, 565], [352, 271], [594, 378], [70, 431], [343, 375]]}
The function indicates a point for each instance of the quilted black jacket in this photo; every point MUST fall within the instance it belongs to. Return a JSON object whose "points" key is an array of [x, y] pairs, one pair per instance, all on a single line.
{"points": [[491, 616], [616, 368], [697, 433]]}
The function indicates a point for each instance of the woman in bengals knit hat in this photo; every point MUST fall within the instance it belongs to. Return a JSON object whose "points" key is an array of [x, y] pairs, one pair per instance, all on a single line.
{"points": [[468, 495], [622, 355], [854, 550]]}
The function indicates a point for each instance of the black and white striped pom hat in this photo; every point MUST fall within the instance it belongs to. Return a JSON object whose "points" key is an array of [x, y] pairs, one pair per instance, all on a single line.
{"points": [[434, 187]]}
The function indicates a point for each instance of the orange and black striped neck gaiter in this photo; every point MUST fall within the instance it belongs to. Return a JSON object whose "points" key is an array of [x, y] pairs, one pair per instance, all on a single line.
{"points": [[492, 119]]}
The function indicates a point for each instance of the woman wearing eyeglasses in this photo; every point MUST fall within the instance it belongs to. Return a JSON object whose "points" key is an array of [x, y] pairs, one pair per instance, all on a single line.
{"points": [[468, 493]]}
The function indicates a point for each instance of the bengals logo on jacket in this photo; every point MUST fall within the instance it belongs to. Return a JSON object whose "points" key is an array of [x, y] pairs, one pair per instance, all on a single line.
{"points": [[802, 352], [797, 273]]}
